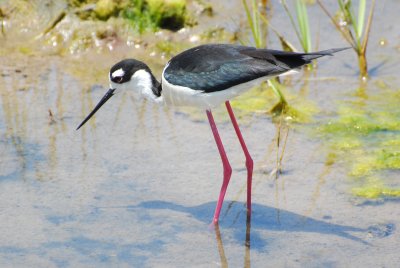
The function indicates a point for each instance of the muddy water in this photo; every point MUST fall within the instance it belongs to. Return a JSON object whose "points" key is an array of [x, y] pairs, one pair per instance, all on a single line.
{"points": [[137, 185]]}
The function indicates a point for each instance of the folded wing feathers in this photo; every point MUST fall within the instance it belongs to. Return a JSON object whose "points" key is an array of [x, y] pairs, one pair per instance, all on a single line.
{"points": [[288, 60]]}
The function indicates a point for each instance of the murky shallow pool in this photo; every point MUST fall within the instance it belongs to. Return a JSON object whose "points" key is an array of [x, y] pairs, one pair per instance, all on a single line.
{"points": [[137, 185]]}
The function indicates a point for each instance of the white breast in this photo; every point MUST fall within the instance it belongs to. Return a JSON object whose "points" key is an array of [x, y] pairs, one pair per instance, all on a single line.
{"points": [[184, 96]]}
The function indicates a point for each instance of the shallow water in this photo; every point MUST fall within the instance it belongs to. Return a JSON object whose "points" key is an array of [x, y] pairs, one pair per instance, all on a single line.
{"points": [[137, 185]]}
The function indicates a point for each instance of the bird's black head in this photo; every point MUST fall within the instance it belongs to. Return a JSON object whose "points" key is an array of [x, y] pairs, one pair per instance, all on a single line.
{"points": [[122, 71], [129, 74]]}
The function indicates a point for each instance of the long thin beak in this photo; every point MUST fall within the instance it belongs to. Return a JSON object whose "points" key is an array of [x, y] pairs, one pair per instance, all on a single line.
{"points": [[103, 100]]}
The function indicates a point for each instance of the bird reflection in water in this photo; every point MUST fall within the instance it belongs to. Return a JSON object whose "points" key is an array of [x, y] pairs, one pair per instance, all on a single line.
{"points": [[220, 245]]}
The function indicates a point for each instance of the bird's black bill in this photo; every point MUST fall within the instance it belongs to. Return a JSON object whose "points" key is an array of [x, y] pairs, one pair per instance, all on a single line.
{"points": [[103, 100]]}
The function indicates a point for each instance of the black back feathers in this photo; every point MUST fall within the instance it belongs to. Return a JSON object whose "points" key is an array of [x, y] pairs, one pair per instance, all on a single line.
{"points": [[216, 67]]}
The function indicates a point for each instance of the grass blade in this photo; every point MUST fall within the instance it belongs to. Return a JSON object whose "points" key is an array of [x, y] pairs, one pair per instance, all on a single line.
{"points": [[353, 21], [302, 18], [249, 18], [285, 43], [347, 9], [291, 18], [256, 23], [361, 17], [368, 27], [275, 88], [349, 39], [253, 18]]}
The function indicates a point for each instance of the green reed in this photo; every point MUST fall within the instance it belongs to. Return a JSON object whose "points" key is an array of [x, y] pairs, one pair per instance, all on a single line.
{"points": [[354, 28], [302, 27], [256, 23]]}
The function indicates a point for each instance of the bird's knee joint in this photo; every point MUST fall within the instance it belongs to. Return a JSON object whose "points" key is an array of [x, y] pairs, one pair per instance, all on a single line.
{"points": [[228, 170], [249, 163]]}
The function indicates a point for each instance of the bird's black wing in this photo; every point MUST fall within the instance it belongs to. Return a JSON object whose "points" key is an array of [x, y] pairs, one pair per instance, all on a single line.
{"points": [[210, 68]]}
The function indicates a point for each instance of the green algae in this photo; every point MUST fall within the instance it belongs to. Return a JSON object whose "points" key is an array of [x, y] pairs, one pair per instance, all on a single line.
{"points": [[364, 160], [263, 99], [79, 26], [139, 16], [154, 14], [169, 49], [353, 121], [25, 50], [216, 34], [168, 14], [374, 189], [142, 15], [345, 144], [365, 134], [105, 9]]}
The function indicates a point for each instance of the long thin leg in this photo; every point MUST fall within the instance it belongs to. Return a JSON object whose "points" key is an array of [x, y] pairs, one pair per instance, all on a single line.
{"points": [[249, 160], [225, 163]]}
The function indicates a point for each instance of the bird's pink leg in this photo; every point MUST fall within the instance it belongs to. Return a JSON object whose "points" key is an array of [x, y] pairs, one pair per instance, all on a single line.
{"points": [[225, 163], [249, 160]]}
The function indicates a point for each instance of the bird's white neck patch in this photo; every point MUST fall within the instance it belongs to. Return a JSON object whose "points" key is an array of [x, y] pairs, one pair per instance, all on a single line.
{"points": [[142, 83], [118, 73]]}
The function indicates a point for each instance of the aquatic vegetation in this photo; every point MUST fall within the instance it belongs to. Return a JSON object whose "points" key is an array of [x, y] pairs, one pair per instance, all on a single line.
{"points": [[154, 14], [345, 143], [217, 34], [366, 138], [379, 159], [258, 25], [2, 17], [170, 14], [105, 9], [302, 28], [76, 26], [169, 49], [374, 189], [357, 36], [256, 22], [142, 14], [260, 99], [349, 122], [96, 9]]}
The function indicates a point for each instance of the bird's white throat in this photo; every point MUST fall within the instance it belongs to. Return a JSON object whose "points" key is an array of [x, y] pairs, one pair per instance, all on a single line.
{"points": [[141, 84]]}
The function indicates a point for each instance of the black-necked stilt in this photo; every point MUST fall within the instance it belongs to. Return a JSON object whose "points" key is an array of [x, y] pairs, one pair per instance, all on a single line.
{"points": [[205, 76]]}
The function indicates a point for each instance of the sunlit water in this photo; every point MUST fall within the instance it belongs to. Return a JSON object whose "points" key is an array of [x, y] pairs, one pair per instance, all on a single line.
{"points": [[137, 185]]}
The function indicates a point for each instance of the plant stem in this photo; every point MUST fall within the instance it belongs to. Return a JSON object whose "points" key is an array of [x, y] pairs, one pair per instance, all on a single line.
{"points": [[291, 19], [362, 60], [275, 87], [359, 46], [334, 22], [362, 63]]}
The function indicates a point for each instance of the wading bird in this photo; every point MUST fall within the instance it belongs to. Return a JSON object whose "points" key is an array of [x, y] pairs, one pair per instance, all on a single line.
{"points": [[206, 76]]}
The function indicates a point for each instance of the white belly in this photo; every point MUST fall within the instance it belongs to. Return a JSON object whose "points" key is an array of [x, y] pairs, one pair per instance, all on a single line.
{"points": [[184, 96]]}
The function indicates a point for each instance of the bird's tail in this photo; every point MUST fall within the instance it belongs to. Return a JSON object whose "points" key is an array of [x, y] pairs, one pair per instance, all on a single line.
{"points": [[318, 54]]}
